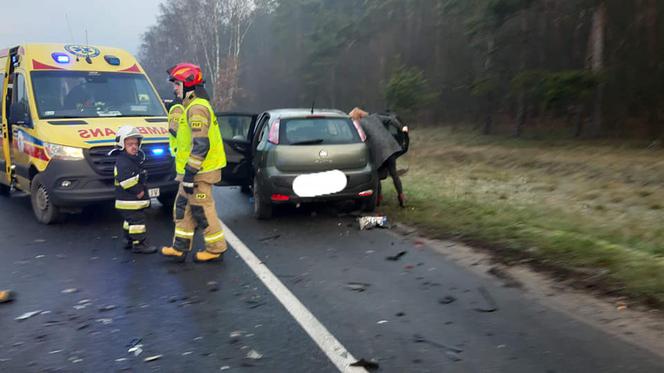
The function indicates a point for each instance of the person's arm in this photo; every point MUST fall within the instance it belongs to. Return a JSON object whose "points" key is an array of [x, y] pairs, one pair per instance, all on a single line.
{"points": [[402, 129], [397, 123], [357, 114], [406, 140], [199, 120]]}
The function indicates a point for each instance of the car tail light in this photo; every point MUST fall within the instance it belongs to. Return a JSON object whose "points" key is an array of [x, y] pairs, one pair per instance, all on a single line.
{"points": [[273, 136], [366, 193], [280, 197], [360, 131]]}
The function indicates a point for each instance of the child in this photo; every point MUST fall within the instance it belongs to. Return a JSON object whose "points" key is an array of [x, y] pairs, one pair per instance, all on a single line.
{"points": [[131, 195]]}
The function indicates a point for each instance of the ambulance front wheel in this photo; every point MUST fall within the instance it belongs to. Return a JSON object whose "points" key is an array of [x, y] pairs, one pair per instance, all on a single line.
{"points": [[167, 201], [4, 190], [42, 205]]}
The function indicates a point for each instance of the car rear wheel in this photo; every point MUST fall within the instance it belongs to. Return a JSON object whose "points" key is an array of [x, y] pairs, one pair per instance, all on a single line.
{"points": [[369, 204], [42, 205], [262, 208]]}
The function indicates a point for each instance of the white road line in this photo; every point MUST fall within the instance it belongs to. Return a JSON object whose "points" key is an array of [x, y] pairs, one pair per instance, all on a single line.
{"points": [[334, 350]]}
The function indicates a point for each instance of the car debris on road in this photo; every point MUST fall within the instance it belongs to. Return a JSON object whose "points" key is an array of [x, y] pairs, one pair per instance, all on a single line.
{"points": [[152, 358], [368, 222], [28, 315], [396, 257], [490, 302], [366, 364], [357, 286], [254, 355]]}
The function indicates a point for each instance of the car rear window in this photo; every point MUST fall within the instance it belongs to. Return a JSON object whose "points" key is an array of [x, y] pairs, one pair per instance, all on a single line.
{"points": [[314, 131]]}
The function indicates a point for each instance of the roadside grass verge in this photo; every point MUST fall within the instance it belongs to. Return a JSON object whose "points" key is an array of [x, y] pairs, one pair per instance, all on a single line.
{"points": [[589, 211]]}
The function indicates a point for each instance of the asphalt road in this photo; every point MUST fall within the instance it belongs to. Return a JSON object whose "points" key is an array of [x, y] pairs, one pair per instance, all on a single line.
{"points": [[420, 313]]}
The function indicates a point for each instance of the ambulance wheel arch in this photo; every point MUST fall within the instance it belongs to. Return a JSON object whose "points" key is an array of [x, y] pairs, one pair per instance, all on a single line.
{"points": [[42, 205]]}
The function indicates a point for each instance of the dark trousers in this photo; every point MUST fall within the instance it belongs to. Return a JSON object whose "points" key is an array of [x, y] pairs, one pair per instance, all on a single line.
{"points": [[390, 167], [134, 225]]}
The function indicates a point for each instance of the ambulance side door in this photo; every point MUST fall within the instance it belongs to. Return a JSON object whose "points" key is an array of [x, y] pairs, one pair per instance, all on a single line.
{"points": [[3, 162], [20, 120]]}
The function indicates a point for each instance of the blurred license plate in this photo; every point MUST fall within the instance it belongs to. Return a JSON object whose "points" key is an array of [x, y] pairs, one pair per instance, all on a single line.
{"points": [[320, 184], [153, 193]]}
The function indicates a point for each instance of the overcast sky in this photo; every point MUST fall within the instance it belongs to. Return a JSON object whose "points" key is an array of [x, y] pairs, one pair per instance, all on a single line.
{"points": [[115, 23]]}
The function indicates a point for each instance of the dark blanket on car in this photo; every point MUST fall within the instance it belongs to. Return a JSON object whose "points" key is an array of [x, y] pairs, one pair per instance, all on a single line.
{"points": [[381, 142]]}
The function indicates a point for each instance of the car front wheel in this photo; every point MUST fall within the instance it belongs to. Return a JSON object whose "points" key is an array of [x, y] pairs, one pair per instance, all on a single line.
{"points": [[4, 190]]}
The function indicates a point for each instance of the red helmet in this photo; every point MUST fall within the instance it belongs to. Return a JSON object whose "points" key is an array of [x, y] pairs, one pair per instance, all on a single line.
{"points": [[189, 74]]}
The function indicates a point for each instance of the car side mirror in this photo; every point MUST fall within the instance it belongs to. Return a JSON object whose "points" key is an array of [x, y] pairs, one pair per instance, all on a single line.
{"points": [[18, 114]]}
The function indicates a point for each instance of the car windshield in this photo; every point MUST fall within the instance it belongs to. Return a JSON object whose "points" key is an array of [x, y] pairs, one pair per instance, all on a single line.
{"points": [[314, 131], [81, 94]]}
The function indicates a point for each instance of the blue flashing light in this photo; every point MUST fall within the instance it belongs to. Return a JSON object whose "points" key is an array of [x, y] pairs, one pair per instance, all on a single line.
{"points": [[60, 57], [158, 151], [112, 60]]}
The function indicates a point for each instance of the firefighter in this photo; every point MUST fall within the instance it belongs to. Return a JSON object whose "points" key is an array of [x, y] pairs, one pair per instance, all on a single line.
{"points": [[131, 195], [6, 296], [199, 159]]}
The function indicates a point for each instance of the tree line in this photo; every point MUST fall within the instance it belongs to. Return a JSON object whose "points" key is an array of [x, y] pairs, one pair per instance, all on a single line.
{"points": [[577, 67]]}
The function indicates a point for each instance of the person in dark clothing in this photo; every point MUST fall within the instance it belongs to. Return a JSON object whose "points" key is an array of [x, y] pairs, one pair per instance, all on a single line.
{"points": [[399, 131], [131, 194], [388, 140]]}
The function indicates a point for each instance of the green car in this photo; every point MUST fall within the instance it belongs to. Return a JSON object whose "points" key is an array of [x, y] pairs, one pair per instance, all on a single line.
{"points": [[293, 156]]}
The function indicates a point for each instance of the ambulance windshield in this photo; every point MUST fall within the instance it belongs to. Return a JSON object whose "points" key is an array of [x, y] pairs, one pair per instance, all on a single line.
{"points": [[84, 94]]}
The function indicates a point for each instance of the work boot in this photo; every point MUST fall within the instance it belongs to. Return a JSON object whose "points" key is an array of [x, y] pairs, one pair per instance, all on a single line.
{"points": [[402, 200], [6, 296], [142, 248], [171, 252], [125, 243], [206, 256]]}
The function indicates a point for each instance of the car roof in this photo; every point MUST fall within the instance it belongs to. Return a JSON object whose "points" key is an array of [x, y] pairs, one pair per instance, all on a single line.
{"points": [[299, 113]]}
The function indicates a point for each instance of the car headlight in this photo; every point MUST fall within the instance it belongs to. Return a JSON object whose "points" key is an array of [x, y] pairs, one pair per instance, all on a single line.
{"points": [[63, 152]]}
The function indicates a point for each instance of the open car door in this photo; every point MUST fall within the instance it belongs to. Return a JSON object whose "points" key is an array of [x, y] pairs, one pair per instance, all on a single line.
{"points": [[237, 130]]}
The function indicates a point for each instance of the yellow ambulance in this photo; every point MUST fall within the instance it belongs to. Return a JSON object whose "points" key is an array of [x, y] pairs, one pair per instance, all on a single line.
{"points": [[61, 106]]}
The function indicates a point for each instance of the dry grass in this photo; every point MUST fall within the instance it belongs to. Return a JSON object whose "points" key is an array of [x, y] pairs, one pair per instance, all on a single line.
{"points": [[595, 206]]}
